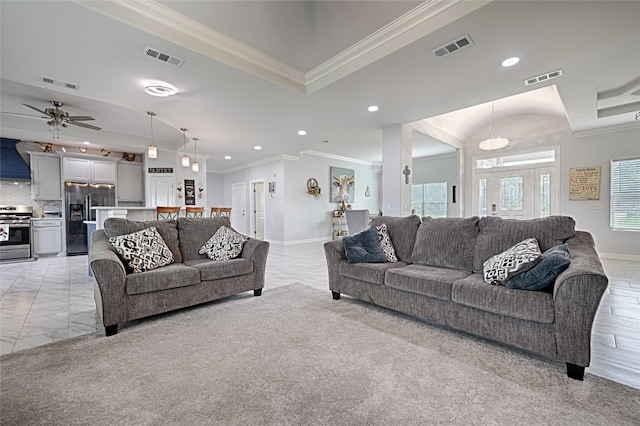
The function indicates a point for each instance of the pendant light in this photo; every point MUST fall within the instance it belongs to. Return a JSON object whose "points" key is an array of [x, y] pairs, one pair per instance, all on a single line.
{"points": [[152, 151], [195, 166], [493, 142], [185, 157]]}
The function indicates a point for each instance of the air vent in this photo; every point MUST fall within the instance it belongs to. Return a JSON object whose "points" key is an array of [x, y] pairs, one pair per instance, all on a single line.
{"points": [[163, 57], [453, 46], [542, 77], [64, 84]]}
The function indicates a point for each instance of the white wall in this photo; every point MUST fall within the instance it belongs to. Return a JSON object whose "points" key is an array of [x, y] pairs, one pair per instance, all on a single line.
{"points": [[215, 189], [440, 168]]}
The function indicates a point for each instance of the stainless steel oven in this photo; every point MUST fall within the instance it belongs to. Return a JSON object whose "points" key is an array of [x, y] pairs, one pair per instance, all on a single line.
{"points": [[15, 232]]}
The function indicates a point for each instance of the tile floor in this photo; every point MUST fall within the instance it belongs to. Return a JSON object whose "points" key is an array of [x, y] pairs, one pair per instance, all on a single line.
{"points": [[52, 299]]}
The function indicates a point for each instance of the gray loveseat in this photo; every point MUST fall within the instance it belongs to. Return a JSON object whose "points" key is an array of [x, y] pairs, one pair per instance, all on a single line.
{"points": [[439, 278], [191, 279]]}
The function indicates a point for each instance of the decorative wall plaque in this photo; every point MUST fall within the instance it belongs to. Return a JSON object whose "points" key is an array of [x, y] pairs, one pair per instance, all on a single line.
{"points": [[584, 183]]}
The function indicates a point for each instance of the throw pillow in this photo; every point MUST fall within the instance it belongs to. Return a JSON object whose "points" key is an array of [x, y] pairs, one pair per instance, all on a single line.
{"points": [[554, 261], [142, 250], [225, 244], [385, 243], [363, 247], [515, 260]]}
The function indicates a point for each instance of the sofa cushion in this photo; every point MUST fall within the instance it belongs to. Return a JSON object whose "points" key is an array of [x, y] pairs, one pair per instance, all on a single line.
{"points": [[535, 306], [216, 270], [142, 250], [553, 262], [224, 244], [363, 247], [370, 272], [194, 232], [170, 276], [497, 234], [426, 280], [446, 241], [515, 260], [402, 232], [168, 229], [385, 243]]}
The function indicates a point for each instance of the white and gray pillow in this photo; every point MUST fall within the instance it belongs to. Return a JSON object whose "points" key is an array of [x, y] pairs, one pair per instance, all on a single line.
{"points": [[142, 250], [385, 243], [225, 244], [519, 258]]}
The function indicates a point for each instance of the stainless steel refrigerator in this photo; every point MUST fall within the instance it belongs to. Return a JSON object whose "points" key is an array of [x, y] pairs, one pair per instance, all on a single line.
{"points": [[79, 198]]}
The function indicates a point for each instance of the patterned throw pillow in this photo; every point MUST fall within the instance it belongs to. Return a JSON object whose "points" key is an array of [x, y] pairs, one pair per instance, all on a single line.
{"points": [[142, 250], [385, 243], [225, 244], [521, 257]]}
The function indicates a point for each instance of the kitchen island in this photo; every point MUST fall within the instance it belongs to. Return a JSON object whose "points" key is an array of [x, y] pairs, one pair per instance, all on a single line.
{"points": [[132, 213]]}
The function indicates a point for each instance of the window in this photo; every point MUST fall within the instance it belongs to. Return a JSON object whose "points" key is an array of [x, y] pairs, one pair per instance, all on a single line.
{"points": [[429, 199], [625, 194], [517, 160], [545, 194]]}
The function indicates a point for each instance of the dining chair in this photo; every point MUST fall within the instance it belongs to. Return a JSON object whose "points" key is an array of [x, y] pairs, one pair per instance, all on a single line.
{"points": [[225, 211]]}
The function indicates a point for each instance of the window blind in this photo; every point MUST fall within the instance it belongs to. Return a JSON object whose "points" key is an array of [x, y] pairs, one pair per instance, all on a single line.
{"points": [[625, 194]]}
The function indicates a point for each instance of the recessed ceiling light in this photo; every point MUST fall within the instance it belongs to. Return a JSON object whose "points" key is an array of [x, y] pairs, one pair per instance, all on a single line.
{"points": [[257, 147], [510, 61], [86, 143], [302, 132], [373, 108], [159, 88], [227, 157]]}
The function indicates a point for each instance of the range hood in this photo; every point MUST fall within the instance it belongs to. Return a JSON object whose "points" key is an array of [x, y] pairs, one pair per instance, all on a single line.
{"points": [[12, 165]]}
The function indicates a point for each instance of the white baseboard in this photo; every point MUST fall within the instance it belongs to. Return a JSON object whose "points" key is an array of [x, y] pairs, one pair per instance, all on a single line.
{"points": [[294, 242], [618, 256]]}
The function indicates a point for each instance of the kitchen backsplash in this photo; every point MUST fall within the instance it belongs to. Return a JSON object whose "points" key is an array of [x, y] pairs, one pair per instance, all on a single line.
{"points": [[12, 194]]}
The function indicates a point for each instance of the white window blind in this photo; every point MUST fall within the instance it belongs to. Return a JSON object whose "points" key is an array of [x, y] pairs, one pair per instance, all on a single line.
{"points": [[429, 199], [625, 194]]}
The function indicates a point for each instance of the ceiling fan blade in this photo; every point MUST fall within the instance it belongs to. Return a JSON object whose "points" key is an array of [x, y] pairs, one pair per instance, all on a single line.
{"points": [[23, 115], [80, 118], [88, 126], [36, 109]]}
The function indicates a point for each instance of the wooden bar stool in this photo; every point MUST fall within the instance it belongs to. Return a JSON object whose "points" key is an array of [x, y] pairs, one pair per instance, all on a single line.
{"points": [[167, 212], [194, 211], [225, 211], [215, 211]]}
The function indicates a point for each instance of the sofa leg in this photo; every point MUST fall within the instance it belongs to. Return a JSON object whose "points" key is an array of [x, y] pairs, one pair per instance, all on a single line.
{"points": [[111, 330], [257, 292], [575, 371], [336, 295]]}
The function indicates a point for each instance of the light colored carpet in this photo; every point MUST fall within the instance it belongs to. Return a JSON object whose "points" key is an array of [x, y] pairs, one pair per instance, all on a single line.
{"points": [[294, 356]]}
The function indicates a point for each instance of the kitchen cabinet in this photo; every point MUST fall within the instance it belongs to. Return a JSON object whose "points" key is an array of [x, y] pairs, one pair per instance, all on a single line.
{"points": [[130, 182], [46, 237], [45, 176], [98, 169]]}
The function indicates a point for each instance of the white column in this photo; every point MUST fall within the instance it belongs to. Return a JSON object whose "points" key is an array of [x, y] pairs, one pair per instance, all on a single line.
{"points": [[396, 170]]}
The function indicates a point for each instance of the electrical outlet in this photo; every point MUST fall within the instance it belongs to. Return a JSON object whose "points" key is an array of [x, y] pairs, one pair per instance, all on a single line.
{"points": [[598, 206]]}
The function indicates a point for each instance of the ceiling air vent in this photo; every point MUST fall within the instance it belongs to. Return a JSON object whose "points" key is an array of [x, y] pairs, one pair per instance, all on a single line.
{"points": [[64, 84], [163, 57], [453, 46], [542, 77]]}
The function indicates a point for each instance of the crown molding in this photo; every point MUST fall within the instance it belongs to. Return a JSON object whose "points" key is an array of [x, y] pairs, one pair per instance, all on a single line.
{"points": [[605, 130], [334, 157], [259, 163]]}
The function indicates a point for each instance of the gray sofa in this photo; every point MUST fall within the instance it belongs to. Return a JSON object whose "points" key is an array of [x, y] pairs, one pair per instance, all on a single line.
{"points": [[191, 279], [439, 278]]}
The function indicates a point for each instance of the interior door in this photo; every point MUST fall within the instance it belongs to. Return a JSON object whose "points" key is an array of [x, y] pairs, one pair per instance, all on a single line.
{"points": [[239, 207], [258, 210], [161, 191]]}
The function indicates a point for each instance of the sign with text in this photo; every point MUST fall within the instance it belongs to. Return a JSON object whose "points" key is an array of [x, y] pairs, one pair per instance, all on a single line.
{"points": [[189, 192], [584, 183], [160, 169]]}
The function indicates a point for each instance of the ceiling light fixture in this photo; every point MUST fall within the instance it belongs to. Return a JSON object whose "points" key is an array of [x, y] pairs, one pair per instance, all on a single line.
{"points": [[227, 157], [493, 142], [373, 108], [152, 151], [160, 89], [195, 166], [185, 157], [510, 61], [86, 143], [302, 132], [257, 147]]}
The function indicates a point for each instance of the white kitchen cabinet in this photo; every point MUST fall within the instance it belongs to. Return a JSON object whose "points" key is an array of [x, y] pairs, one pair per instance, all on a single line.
{"points": [[45, 176], [130, 185], [47, 237], [89, 169]]}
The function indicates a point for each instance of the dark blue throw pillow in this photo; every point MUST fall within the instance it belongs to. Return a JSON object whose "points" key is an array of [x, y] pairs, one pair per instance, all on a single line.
{"points": [[554, 261], [364, 247]]}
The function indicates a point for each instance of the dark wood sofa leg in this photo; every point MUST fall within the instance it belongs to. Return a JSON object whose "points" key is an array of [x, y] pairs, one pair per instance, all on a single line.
{"points": [[257, 292], [575, 371], [336, 295], [111, 330]]}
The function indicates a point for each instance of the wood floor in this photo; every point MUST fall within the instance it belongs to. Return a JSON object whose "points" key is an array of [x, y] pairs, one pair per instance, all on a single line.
{"points": [[52, 299]]}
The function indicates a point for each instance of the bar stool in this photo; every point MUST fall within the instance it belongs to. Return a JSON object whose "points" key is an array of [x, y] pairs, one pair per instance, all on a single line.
{"points": [[215, 211], [225, 211], [194, 211], [167, 212]]}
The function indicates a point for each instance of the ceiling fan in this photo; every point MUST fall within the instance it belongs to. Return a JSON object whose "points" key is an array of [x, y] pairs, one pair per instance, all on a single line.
{"points": [[59, 118]]}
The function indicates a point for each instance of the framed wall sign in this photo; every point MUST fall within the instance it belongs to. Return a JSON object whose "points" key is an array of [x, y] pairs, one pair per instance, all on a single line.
{"points": [[584, 183]]}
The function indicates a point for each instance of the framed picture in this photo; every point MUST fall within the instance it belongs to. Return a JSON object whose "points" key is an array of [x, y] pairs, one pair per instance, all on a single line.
{"points": [[272, 187], [343, 182], [337, 213]]}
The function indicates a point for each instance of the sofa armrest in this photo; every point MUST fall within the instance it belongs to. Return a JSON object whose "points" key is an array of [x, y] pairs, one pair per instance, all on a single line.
{"points": [[257, 251], [577, 293], [334, 254], [109, 274]]}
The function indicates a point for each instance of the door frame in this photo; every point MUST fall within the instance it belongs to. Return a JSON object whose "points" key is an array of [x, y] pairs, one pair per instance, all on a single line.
{"points": [[252, 207]]}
